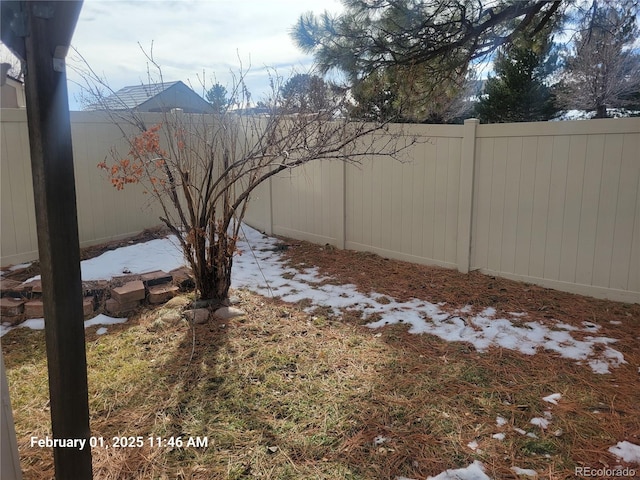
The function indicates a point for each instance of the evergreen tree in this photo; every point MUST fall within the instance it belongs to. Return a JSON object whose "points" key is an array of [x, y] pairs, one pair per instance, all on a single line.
{"points": [[408, 60], [517, 93], [217, 97]]}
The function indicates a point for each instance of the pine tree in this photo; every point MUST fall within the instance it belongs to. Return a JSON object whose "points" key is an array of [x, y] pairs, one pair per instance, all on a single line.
{"points": [[217, 97], [517, 93]]}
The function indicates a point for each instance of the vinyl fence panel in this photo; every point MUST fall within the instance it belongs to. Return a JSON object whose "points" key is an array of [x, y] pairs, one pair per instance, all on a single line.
{"points": [[103, 212], [551, 203]]}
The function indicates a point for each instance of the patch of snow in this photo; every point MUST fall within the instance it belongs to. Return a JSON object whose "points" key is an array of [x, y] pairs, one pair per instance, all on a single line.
{"points": [[520, 431], [33, 324], [158, 254], [500, 421], [102, 319], [475, 471], [553, 398], [101, 331], [524, 471], [473, 445], [379, 440], [484, 330], [488, 312], [20, 266], [499, 436], [599, 366], [586, 115], [4, 328], [566, 326], [627, 451], [540, 422], [38, 323]]}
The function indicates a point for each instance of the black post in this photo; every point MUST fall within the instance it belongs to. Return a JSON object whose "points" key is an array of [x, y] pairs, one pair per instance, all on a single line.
{"points": [[49, 29]]}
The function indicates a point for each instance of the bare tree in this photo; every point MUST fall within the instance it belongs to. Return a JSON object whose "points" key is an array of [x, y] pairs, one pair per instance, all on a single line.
{"points": [[305, 93], [202, 169], [603, 70]]}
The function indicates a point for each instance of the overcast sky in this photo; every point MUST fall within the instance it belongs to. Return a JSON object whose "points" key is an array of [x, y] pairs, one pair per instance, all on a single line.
{"points": [[191, 37]]}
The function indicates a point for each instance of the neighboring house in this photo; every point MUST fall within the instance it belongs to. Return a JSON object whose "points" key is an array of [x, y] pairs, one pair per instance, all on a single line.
{"points": [[12, 92], [155, 97]]}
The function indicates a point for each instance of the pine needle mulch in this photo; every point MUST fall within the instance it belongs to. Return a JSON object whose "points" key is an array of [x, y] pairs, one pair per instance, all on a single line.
{"points": [[282, 394]]}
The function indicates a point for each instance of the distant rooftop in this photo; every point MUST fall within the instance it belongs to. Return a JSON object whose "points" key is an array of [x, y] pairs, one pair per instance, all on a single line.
{"points": [[155, 97], [131, 97]]}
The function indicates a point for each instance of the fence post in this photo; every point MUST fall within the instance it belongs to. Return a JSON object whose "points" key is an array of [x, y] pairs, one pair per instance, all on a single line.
{"points": [[465, 198], [342, 208], [269, 226]]}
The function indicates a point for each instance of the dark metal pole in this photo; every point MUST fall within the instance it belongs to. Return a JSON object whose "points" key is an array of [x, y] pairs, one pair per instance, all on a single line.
{"points": [[56, 220]]}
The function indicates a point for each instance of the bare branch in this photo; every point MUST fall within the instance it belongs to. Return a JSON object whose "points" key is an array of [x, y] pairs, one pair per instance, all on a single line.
{"points": [[202, 169]]}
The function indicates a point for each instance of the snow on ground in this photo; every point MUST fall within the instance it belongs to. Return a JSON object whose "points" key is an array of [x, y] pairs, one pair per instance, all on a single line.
{"points": [[475, 471], [38, 324], [524, 471], [103, 320], [584, 115], [260, 269], [20, 266], [473, 445], [483, 330], [627, 451], [553, 398], [159, 254], [543, 423]]}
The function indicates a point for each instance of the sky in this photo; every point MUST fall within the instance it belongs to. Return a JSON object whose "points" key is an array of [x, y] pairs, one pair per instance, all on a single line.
{"points": [[191, 39]]}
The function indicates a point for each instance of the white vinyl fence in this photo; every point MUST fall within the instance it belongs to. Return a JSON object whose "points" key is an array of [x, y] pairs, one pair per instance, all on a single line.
{"points": [[103, 212], [553, 203]]}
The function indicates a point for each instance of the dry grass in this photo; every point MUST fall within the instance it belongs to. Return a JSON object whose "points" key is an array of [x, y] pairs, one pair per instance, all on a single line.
{"points": [[281, 394]]}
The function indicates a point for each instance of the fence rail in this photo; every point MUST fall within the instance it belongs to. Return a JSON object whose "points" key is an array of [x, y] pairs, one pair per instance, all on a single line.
{"points": [[553, 203]]}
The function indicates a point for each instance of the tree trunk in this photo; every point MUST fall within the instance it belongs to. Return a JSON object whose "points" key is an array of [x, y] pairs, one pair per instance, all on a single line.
{"points": [[213, 282], [212, 288], [601, 111]]}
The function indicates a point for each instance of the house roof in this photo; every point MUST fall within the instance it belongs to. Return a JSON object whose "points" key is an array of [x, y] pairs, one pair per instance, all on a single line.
{"points": [[155, 97], [133, 96]]}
